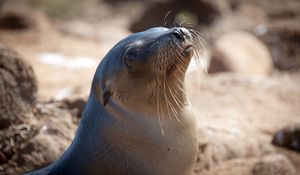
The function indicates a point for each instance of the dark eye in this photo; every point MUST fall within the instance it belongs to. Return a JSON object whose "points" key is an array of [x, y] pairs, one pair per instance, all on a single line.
{"points": [[130, 57], [135, 59]]}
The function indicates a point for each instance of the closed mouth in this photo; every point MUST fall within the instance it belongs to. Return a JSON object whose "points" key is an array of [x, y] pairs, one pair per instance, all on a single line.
{"points": [[187, 54], [188, 47], [188, 50]]}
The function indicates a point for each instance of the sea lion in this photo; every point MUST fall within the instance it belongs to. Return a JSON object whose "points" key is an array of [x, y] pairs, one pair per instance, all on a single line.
{"points": [[137, 119]]}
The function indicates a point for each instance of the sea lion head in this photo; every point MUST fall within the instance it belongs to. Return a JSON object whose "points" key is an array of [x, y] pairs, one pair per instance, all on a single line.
{"points": [[145, 66]]}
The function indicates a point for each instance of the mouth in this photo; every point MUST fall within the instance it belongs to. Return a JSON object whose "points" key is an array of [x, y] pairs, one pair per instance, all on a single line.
{"points": [[188, 51], [186, 54], [188, 48]]}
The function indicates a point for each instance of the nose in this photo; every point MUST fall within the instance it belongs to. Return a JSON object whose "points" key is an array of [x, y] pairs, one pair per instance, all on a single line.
{"points": [[180, 33]]}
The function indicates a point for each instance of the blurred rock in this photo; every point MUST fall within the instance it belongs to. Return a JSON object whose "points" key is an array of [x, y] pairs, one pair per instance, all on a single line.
{"points": [[14, 16], [283, 39], [288, 137], [221, 143], [238, 114], [32, 134], [79, 28], [75, 106], [15, 21], [240, 52], [276, 11], [12, 138], [201, 12], [274, 164], [18, 87], [114, 2], [55, 133]]}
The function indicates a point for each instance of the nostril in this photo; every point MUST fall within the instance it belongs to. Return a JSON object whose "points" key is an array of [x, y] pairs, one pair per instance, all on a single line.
{"points": [[181, 31], [178, 35]]}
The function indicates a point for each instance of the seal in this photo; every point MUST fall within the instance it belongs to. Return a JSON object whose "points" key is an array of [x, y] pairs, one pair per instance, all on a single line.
{"points": [[137, 119]]}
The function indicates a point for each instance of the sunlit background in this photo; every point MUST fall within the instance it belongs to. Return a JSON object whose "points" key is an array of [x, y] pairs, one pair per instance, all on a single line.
{"points": [[247, 91]]}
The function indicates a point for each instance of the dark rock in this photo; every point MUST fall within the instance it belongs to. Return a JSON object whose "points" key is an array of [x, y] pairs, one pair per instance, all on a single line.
{"points": [[275, 164], [284, 43], [18, 87], [12, 20], [288, 137], [28, 147], [204, 12], [76, 106]]}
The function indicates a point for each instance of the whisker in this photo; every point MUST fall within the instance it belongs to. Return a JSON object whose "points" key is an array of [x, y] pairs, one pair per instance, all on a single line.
{"points": [[176, 101], [165, 18], [166, 101], [174, 96], [158, 113]]}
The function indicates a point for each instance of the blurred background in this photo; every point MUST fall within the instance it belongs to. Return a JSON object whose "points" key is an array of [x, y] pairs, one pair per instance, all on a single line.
{"points": [[247, 99]]}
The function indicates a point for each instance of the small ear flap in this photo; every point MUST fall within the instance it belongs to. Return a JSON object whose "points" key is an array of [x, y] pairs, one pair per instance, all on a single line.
{"points": [[106, 94]]}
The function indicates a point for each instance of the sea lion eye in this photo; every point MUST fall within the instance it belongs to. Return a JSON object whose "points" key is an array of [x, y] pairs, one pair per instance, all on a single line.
{"points": [[130, 57], [131, 60]]}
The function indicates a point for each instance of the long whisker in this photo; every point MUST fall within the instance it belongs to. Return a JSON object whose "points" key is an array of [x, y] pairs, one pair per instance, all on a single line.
{"points": [[158, 100], [165, 18], [176, 95], [159, 117], [166, 98], [175, 100]]}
